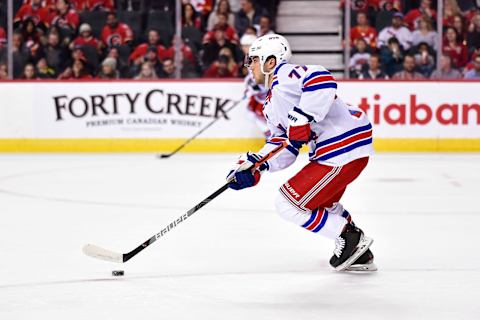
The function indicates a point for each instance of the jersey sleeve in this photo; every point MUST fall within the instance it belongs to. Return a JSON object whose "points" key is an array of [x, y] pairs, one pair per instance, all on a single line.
{"points": [[285, 157], [319, 89]]}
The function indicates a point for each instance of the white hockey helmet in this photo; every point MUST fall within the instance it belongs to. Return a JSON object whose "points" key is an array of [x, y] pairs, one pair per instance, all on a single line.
{"points": [[267, 46]]}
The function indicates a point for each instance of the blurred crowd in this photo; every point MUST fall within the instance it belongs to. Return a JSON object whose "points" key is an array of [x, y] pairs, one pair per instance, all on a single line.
{"points": [[111, 39], [395, 39]]}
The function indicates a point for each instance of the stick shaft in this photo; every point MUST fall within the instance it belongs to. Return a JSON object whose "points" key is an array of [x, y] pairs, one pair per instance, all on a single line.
{"points": [[175, 223], [104, 254]]}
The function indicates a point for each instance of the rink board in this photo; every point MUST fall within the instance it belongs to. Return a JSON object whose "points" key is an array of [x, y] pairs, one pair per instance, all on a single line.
{"points": [[158, 116]]}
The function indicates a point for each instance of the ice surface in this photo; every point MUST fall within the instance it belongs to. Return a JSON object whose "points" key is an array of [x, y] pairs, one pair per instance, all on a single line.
{"points": [[235, 258]]}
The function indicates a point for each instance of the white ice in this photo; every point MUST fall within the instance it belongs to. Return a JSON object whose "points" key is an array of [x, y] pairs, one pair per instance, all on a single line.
{"points": [[235, 258]]}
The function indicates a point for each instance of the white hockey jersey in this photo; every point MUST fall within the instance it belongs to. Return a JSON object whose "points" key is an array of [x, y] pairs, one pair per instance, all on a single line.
{"points": [[342, 133]]}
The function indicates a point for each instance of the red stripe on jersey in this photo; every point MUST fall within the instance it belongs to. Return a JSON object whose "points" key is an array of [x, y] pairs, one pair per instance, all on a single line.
{"points": [[318, 80], [343, 143]]}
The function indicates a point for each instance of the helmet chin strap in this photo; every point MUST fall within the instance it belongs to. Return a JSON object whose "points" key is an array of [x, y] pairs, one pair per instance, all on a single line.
{"points": [[267, 75]]}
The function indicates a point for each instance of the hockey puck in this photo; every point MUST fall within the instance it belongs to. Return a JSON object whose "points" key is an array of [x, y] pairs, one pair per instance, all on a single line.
{"points": [[117, 273]]}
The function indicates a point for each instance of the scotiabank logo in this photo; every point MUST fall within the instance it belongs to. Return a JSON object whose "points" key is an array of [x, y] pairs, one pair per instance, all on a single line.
{"points": [[417, 112]]}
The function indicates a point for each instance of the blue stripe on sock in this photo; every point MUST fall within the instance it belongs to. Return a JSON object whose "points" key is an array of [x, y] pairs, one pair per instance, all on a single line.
{"points": [[322, 223], [313, 216]]}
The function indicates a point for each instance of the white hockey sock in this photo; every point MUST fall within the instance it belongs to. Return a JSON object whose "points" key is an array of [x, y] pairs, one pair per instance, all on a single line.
{"points": [[338, 209], [322, 222]]}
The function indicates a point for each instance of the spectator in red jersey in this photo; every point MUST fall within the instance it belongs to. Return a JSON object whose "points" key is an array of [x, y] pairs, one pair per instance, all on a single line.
{"points": [[473, 35], [408, 72], [363, 31], [147, 72], [29, 72], [190, 18], [35, 11], [425, 33], [153, 41], [373, 70], [49, 4], [108, 69], [116, 33], [456, 50], [450, 10], [65, 18], [86, 38], [219, 69], [446, 70], [222, 24], [223, 7], [188, 56], [414, 15]]}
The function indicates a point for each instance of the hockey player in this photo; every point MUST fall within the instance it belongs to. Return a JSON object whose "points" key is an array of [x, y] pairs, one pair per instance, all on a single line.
{"points": [[302, 106]]}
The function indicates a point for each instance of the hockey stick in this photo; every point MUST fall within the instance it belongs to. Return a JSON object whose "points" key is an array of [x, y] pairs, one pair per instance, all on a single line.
{"points": [[104, 254], [168, 155]]}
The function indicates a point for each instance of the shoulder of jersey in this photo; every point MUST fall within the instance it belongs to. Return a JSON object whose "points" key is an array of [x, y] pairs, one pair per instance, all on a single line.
{"points": [[291, 74]]}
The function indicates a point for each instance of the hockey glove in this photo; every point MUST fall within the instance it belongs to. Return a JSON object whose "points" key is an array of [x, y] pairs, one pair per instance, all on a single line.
{"points": [[299, 135], [245, 179], [299, 132], [242, 175]]}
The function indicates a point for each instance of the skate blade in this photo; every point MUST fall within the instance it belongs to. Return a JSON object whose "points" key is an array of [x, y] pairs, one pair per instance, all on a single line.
{"points": [[368, 267], [362, 246]]}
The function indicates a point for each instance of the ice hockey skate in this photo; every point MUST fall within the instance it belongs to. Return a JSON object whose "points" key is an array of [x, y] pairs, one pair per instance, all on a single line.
{"points": [[364, 263], [349, 246]]}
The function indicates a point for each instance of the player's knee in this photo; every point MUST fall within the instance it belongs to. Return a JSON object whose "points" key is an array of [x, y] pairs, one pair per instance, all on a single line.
{"points": [[288, 211]]}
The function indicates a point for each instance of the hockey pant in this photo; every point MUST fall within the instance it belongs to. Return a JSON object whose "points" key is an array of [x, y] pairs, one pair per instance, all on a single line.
{"points": [[311, 198]]}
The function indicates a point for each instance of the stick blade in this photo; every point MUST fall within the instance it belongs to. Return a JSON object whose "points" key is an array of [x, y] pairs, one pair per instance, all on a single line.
{"points": [[164, 156], [97, 252]]}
